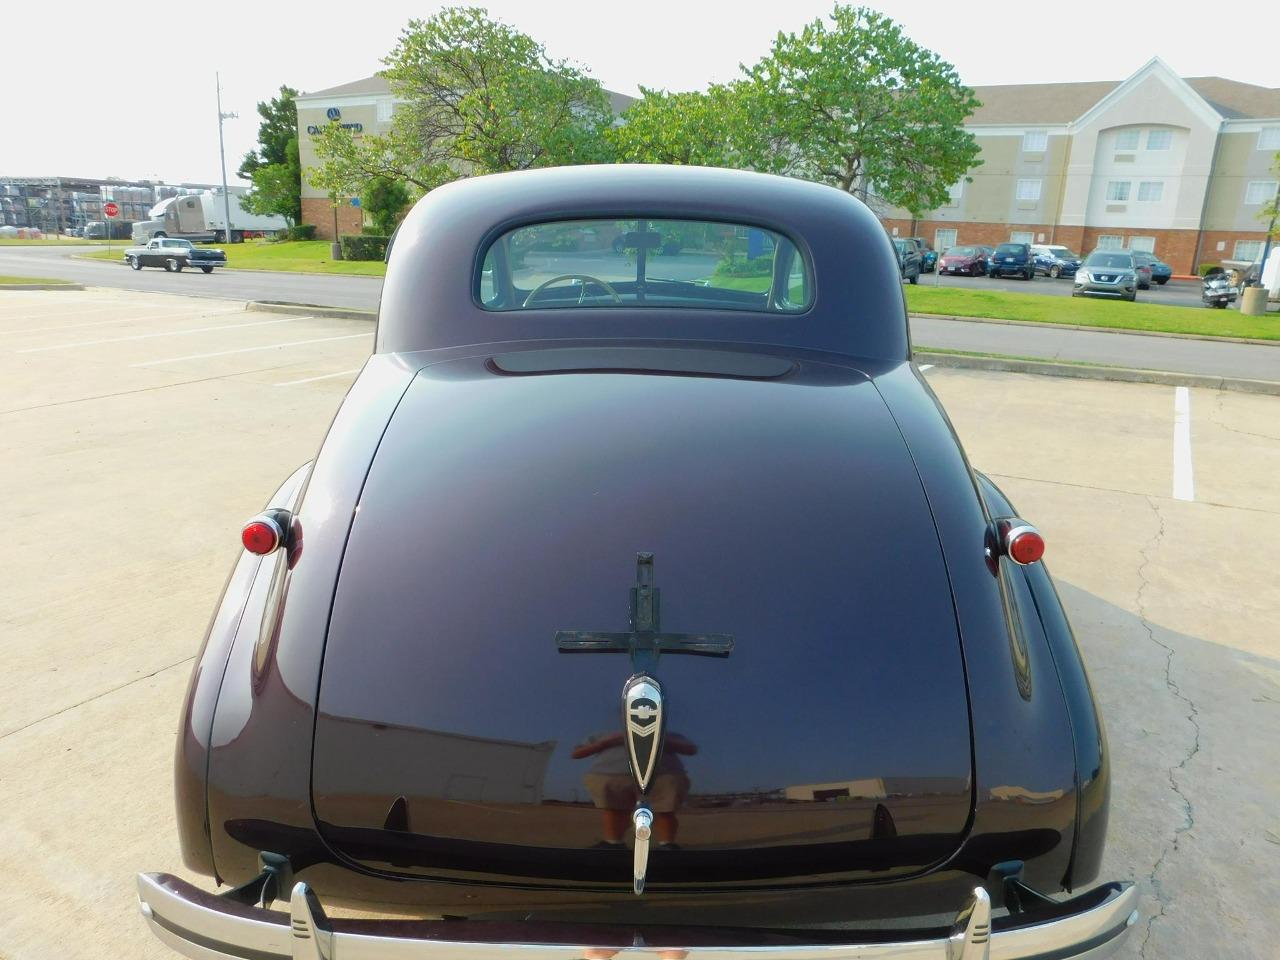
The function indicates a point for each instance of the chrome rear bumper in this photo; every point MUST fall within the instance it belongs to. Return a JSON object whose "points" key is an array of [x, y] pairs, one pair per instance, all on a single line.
{"points": [[203, 926]]}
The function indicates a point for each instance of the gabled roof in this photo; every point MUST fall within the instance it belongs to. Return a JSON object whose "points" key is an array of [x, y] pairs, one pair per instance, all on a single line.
{"points": [[368, 86], [1023, 103], [377, 84], [1038, 102], [1236, 100]]}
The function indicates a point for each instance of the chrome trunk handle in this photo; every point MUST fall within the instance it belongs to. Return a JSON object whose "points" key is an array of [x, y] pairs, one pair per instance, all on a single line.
{"points": [[643, 820]]}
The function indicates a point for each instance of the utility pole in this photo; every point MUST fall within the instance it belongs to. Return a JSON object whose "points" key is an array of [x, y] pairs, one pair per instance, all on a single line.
{"points": [[222, 157]]}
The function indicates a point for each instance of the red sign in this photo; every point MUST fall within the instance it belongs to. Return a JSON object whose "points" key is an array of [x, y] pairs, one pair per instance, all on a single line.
{"points": [[110, 208]]}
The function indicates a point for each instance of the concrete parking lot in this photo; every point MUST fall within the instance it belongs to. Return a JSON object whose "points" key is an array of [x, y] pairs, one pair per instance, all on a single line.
{"points": [[139, 430]]}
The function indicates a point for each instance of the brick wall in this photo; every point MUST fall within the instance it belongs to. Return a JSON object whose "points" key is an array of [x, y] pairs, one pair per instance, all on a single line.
{"points": [[1175, 247], [988, 234], [1209, 252], [317, 210]]}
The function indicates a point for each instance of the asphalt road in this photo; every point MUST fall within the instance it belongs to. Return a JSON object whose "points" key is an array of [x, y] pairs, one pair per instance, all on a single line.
{"points": [[1049, 343], [359, 293]]}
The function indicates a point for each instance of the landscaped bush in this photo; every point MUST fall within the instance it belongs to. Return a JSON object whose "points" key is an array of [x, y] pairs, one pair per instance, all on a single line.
{"points": [[1206, 267], [302, 231], [755, 267], [362, 246]]}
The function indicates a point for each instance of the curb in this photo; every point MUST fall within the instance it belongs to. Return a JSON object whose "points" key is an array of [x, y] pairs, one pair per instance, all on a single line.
{"points": [[1074, 326], [310, 310], [41, 286], [1086, 372]]}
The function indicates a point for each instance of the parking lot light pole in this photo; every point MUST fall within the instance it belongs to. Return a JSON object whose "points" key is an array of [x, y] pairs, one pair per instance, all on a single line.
{"points": [[222, 159]]}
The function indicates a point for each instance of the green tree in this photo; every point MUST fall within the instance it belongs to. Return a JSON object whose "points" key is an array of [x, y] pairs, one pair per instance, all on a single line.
{"points": [[279, 125], [273, 167], [385, 200], [277, 187], [859, 105], [473, 96], [708, 129]]}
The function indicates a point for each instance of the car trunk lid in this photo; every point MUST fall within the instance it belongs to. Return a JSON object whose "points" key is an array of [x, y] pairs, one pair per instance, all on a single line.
{"points": [[456, 740]]}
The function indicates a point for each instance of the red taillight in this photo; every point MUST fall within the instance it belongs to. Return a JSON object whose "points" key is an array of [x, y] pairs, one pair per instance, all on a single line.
{"points": [[1024, 544], [261, 535]]}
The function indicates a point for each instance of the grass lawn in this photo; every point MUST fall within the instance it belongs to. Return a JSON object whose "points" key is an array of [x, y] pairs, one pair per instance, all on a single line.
{"points": [[1085, 312], [302, 256], [9, 281]]}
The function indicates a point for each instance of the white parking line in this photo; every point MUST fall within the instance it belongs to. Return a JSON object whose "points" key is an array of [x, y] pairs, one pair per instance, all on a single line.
{"points": [[925, 366], [131, 319], [1184, 487], [161, 333], [327, 376], [269, 346]]}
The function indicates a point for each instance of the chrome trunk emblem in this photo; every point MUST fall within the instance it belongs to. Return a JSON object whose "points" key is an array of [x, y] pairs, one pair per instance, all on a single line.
{"points": [[644, 721]]}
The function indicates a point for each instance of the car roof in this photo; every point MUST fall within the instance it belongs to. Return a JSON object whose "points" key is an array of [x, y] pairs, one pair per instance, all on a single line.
{"points": [[429, 295]]}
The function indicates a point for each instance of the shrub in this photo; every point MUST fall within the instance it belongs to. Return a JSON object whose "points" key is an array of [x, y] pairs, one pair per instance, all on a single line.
{"points": [[1206, 267], [302, 231], [362, 246], [755, 267], [565, 243]]}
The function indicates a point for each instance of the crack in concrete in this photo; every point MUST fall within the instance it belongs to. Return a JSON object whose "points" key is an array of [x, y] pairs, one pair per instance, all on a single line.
{"points": [[1192, 716], [1220, 422], [97, 696]]}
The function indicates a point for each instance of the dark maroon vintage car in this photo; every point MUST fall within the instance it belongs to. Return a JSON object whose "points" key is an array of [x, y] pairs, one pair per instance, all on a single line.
{"points": [[640, 601]]}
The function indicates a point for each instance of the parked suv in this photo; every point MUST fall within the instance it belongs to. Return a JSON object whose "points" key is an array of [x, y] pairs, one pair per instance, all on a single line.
{"points": [[1012, 259], [1107, 273], [909, 262], [1054, 261]]}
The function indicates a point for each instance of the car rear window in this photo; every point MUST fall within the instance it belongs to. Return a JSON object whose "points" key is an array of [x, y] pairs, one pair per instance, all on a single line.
{"points": [[644, 262], [1011, 249]]}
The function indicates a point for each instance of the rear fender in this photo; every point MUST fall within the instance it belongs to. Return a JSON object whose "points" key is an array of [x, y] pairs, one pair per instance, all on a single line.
{"points": [[1024, 763], [192, 752], [259, 781], [1092, 757]]}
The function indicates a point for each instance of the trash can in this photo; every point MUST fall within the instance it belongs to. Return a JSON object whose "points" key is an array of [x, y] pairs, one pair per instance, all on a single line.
{"points": [[1253, 301]]}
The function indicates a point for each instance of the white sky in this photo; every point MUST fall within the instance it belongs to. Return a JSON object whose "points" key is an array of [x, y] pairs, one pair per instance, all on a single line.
{"points": [[111, 94]]}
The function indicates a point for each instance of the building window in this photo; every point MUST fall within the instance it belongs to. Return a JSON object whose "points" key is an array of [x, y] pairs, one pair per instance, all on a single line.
{"points": [[1035, 141], [385, 108], [1022, 236], [1269, 138], [1249, 250], [944, 240], [1259, 191], [1028, 189], [1118, 191], [955, 192], [1109, 242], [1143, 244], [1127, 139], [1151, 191], [1159, 139]]}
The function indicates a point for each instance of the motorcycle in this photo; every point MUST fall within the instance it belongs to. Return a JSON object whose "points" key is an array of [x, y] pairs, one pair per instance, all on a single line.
{"points": [[1217, 291]]}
